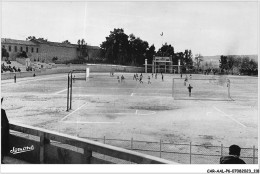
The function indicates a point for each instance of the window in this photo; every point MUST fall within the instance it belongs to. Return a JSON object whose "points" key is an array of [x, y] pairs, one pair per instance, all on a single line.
{"points": [[26, 49], [15, 48], [37, 50], [32, 50], [21, 49], [10, 48]]}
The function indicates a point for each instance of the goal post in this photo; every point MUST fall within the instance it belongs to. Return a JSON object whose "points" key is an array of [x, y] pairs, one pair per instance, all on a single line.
{"points": [[87, 73], [173, 88], [72, 77]]}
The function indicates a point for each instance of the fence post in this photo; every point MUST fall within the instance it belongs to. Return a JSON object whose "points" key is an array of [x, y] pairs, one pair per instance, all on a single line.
{"points": [[43, 142], [132, 143], [190, 152], [253, 154], [160, 148], [71, 91], [68, 93], [104, 143], [221, 150], [88, 155]]}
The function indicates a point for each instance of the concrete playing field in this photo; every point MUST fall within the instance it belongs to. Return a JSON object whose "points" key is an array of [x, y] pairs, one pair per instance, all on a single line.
{"points": [[103, 107]]}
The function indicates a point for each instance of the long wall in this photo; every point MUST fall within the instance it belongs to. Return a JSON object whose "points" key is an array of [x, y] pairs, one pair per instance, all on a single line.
{"points": [[47, 52]]}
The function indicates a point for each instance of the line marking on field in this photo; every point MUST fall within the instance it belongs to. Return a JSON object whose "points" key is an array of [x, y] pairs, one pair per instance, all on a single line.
{"points": [[208, 113], [229, 116], [61, 91], [73, 112], [32, 79]]}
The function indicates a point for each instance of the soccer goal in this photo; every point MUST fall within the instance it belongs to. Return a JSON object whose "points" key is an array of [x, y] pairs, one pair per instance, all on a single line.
{"points": [[214, 88], [73, 76]]}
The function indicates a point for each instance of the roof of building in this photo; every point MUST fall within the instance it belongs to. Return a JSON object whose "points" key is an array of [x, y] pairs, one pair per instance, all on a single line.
{"points": [[18, 42], [36, 42], [57, 44]]}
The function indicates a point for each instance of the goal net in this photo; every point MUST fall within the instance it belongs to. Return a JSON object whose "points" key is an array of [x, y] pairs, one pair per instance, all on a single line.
{"points": [[208, 88], [81, 74]]}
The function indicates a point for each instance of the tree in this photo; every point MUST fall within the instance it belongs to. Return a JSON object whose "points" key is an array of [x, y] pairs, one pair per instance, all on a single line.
{"points": [[66, 42], [230, 63], [150, 53], [223, 63], [22, 54], [138, 50], [4, 53], [198, 59], [179, 56], [41, 38], [253, 67], [82, 49], [165, 51], [188, 59], [245, 65], [31, 38], [116, 46]]}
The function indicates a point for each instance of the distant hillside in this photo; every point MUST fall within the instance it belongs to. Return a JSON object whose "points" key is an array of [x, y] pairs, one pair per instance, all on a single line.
{"points": [[214, 60], [217, 57]]}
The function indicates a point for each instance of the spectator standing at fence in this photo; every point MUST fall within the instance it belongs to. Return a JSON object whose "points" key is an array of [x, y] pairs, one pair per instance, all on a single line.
{"points": [[14, 78], [181, 75], [4, 134], [233, 158], [189, 88]]}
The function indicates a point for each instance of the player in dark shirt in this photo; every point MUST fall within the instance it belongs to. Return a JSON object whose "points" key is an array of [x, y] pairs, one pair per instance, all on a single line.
{"points": [[190, 87]]}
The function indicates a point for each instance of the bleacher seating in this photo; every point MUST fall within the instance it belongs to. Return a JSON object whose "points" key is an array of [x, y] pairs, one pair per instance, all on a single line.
{"points": [[7, 66], [14, 65]]}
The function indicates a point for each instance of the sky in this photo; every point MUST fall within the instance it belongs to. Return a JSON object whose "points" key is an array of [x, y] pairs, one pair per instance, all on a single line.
{"points": [[208, 28]]}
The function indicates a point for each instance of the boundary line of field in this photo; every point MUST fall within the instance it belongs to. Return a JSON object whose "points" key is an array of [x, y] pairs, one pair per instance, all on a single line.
{"points": [[228, 116], [73, 112], [25, 80]]}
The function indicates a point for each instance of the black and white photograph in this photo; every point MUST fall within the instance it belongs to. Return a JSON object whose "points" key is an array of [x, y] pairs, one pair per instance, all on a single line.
{"points": [[155, 86]]}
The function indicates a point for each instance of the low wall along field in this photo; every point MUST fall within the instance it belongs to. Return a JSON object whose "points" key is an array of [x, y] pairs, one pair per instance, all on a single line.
{"points": [[70, 67]]}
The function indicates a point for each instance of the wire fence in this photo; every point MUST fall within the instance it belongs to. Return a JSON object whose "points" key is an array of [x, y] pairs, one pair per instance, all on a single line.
{"points": [[182, 153]]}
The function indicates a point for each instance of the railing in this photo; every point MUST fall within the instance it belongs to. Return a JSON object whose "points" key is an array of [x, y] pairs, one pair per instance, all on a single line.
{"points": [[185, 153], [47, 152]]}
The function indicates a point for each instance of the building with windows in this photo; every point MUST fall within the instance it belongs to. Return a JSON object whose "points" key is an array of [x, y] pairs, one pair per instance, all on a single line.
{"points": [[15, 47], [43, 50]]}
